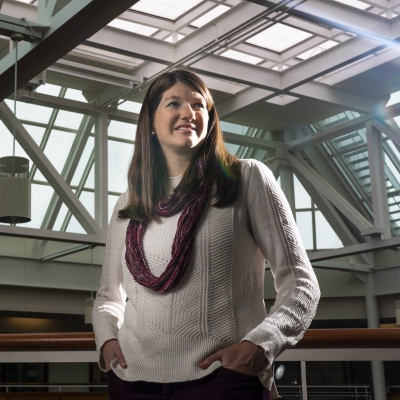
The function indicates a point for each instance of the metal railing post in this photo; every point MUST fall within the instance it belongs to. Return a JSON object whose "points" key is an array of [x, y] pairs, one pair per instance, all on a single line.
{"points": [[304, 380]]}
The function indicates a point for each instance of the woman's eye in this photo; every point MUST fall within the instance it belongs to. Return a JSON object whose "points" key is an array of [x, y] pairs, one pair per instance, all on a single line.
{"points": [[173, 104], [199, 105]]}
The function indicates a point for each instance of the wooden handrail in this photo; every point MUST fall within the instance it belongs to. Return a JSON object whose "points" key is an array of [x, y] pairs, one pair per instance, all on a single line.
{"points": [[313, 338]]}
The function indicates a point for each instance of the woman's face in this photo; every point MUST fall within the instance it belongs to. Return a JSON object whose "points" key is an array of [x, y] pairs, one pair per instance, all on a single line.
{"points": [[181, 119]]}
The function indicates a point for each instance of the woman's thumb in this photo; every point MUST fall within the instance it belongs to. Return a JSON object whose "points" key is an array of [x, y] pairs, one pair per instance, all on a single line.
{"points": [[217, 356]]}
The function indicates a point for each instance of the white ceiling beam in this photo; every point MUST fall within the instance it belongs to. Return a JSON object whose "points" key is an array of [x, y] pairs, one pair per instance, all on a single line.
{"points": [[18, 9], [248, 141], [347, 100], [55, 236], [367, 247], [313, 90], [328, 61], [360, 66], [196, 13], [349, 19], [237, 71], [315, 29], [132, 44], [341, 16], [76, 17], [384, 4], [257, 52], [147, 20], [242, 99]]}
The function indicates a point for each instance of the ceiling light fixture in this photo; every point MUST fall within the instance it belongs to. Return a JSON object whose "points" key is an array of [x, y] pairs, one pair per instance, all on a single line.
{"points": [[15, 186]]}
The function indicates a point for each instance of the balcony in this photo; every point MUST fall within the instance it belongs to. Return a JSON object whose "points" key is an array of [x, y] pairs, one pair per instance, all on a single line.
{"points": [[317, 345]]}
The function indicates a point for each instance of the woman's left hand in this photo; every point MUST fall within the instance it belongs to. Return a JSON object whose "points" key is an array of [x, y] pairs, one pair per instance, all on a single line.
{"points": [[246, 358]]}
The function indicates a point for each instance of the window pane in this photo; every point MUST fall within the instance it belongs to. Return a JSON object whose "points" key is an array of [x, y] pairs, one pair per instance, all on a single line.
{"points": [[57, 150], [87, 199], [67, 119], [83, 162], [301, 197], [41, 196], [232, 148], [122, 130], [304, 223], [31, 112], [326, 236], [74, 226], [112, 200], [119, 157]]}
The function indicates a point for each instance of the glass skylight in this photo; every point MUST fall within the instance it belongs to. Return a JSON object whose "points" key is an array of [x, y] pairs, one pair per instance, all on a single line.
{"points": [[132, 27], [318, 49], [276, 68], [279, 37], [170, 9], [354, 3], [237, 55], [206, 18], [169, 38]]}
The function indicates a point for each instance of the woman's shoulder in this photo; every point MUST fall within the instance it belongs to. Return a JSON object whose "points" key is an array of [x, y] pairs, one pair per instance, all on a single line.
{"points": [[254, 170]]}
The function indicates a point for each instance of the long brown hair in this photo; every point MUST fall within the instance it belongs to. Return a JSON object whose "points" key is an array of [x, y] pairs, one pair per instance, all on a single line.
{"points": [[148, 173]]}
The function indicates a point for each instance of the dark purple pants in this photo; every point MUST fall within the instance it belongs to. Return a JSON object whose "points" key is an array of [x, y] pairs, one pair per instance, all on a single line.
{"points": [[222, 384]]}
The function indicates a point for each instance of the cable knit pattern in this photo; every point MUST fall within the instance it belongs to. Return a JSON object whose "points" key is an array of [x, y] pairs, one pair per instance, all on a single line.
{"points": [[220, 299]]}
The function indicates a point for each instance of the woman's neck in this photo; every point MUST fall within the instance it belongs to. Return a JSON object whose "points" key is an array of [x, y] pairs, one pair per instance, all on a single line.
{"points": [[177, 163]]}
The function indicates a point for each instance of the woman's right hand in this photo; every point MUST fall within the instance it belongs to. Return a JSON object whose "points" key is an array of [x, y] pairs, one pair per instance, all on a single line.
{"points": [[111, 350]]}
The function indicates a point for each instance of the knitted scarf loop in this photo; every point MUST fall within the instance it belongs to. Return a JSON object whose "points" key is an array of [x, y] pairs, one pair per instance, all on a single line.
{"points": [[191, 204]]}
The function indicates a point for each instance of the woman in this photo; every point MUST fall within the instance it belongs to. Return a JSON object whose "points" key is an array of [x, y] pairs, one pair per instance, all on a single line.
{"points": [[180, 311]]}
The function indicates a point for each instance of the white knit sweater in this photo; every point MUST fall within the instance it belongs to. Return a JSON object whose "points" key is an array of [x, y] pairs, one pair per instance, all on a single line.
{"points": [[220, 299]]}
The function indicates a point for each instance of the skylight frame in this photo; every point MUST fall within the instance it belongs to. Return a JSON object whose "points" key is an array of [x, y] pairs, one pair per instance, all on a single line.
{"points": [[161, 15], [279, 25]]}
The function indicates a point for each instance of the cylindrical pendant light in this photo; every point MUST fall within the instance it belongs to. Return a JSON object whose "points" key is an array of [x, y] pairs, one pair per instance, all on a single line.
{"points": [[15, 186], [15, 190]]}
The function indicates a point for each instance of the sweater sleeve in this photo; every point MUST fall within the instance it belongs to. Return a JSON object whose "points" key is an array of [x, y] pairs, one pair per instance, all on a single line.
{"points": [[109, 306], [278, 239]]}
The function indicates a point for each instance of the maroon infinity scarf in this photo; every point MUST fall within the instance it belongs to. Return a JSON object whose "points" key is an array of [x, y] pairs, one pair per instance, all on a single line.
{"points": [[191, 204]]}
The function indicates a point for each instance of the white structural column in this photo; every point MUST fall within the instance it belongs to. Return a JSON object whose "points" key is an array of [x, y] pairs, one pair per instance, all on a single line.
{"points": [[378, 179], [287, 185], [101, 170], [378, 375]]}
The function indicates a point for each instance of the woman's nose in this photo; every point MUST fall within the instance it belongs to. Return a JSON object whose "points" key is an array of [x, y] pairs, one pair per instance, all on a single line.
{"points": [[188, 112]]}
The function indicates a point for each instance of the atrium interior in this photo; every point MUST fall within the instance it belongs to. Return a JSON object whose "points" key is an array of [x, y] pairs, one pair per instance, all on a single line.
{"points": [[309, 87]]}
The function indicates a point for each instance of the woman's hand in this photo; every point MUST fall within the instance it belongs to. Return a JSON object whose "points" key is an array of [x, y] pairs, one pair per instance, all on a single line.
{"points": [[246, 358], [111, 350]]}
